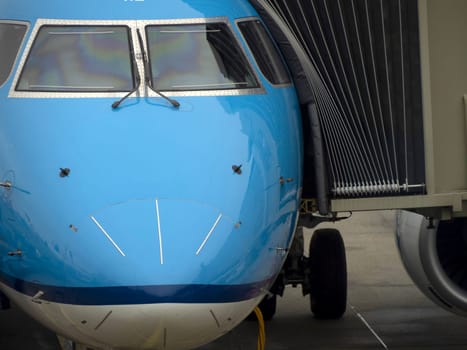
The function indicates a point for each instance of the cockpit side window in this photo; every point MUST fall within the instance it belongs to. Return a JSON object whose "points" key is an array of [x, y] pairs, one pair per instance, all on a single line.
{"points": [[79, 59], [265, 52], [11, 37], [194, 57]]}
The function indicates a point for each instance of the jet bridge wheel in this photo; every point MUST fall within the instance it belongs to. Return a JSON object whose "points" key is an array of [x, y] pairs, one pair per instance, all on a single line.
{"points": [[328, 274]]}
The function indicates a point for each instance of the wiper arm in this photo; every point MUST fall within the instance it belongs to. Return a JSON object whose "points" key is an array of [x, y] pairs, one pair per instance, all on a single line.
{"points": [[116, 104], [147, 77]]}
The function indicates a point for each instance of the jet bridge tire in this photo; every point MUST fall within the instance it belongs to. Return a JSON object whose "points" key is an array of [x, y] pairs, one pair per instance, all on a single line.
{"points": [[328, 274]]}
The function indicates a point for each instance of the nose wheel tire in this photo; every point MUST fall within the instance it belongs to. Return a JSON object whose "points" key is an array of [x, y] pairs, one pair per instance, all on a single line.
{"points": [[268, 307], [328, 274]]}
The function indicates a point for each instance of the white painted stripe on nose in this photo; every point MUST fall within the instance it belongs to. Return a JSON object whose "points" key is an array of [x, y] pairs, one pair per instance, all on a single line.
{"points": [[209, 234], [107, 235], [159, 231]]}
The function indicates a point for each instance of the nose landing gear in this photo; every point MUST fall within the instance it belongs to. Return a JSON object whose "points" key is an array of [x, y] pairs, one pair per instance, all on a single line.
{"points": [[323, 275], [328, 274]]}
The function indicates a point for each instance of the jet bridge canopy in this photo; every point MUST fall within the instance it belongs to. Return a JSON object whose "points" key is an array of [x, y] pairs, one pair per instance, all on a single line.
{"points": [[387, 85]]}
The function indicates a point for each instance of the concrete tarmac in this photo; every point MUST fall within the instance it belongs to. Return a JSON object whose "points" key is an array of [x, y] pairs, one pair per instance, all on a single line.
{"points": [[385, 310]]}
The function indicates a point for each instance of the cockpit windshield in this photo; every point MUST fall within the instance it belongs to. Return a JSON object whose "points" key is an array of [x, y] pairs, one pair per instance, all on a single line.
{"points": [[105, 59], [197, 57], [79, 58]]}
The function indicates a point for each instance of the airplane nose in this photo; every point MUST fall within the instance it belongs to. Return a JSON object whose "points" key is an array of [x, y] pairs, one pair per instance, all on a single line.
{"points": [[166, 274]]}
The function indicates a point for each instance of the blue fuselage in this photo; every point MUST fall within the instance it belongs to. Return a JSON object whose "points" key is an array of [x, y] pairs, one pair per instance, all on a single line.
{"points": [[121, 162]]}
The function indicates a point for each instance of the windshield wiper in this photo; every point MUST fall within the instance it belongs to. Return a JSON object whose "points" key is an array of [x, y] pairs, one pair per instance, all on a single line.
{"points": [[137, 78], [147, 76]]}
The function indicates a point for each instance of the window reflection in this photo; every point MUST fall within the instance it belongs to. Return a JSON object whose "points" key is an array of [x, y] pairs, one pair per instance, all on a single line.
{"points": [[197, 57], [79, 58], [266, 54], [11, 36]]}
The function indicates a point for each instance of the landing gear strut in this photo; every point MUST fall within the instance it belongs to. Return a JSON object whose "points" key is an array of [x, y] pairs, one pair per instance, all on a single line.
{"points": [[323, 275], [268, 306]]}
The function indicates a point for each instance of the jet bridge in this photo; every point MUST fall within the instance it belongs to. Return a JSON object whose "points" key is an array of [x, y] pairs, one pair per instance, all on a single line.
{"points": [[383, 87]]}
